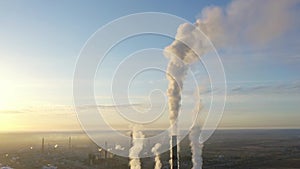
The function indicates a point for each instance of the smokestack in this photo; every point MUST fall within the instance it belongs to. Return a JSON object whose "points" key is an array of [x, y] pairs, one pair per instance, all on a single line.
{"points": [[70, 143], [131, 144], [105, 150], [131, 139], [174, 158], [43, 145]]}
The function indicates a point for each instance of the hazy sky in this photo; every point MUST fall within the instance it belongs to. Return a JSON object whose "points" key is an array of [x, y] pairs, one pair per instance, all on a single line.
{"points": [[40, 42]]}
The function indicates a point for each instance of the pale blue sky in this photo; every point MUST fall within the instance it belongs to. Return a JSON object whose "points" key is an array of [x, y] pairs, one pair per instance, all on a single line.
{"points": [[40, 42]]}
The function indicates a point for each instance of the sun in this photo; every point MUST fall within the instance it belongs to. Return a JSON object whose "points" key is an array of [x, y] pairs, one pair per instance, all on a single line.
{"points": [[7, 122], [7, 95], [3, 101], [6, 118], [6, 98]]}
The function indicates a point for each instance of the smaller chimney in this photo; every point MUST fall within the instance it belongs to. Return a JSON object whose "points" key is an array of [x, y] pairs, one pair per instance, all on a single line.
{"points": [[70, 143], [174, 157], [43, 145], [131, 139], [105, 150]]}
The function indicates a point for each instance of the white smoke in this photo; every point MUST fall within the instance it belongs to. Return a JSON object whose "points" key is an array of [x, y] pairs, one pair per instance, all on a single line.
{"points": [[196, 147], [194, 136], [154, 150], [6, 167], [250, 22], [180, 55], [176, 73], [137, 147], [119, 147]]}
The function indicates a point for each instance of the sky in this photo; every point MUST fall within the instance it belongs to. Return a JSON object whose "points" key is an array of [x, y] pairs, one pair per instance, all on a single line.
{"points": [[40, 42]]}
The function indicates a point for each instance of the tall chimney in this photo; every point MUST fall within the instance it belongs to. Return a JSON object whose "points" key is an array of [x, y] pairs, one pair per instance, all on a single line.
{"points": [[70, 143], [131, 144], [174, 157], [131, 139], [105, 152], [43, 145]]}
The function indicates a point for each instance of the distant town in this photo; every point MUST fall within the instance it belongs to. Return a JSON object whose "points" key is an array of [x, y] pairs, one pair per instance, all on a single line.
{"points": [[226, 149]]}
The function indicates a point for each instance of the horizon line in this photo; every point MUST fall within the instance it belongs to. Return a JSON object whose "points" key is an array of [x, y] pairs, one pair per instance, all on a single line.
{"points": [[80, 130]]}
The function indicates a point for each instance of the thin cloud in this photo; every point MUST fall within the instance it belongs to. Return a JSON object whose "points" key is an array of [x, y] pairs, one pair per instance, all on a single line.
{"points": [[86, 107], [288, 87], [11, 112]]}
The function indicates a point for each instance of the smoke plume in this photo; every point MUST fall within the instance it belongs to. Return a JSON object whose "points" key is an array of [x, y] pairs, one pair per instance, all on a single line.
{"points": [[194, 136], [196, 147], [154, 150], [241, 22], [137, 147], [247, 22], [119, 147], [180, 56]]}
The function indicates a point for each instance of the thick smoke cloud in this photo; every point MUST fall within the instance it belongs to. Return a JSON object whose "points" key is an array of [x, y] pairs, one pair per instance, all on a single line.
{"points": [[247, 22], [241, 22], [154, 150], [137, 147], [194, 136], [119, 147], [196, 147]]}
